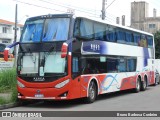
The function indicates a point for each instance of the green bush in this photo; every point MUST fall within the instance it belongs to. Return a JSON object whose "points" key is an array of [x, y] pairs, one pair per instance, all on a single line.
{"points": [[8, 84], [7, 79]]}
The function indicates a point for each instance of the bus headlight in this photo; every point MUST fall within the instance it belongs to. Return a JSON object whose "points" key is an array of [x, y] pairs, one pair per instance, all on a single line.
{"points": [[20, 84], [60, 85]]}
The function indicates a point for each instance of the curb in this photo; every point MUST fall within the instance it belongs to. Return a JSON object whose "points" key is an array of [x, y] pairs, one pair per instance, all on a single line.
{"points": [[10, 105]]}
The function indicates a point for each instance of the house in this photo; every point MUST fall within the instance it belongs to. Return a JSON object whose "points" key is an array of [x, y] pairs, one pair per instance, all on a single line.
{"points": [[140, 17], [7, 31]]}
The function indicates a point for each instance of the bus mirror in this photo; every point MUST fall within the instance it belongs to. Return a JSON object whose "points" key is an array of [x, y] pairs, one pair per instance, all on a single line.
{"points": [[6, 55], [64, 50]]}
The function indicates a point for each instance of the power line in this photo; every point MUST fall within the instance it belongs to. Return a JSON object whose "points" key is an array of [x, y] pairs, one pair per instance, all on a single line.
{"points": [[38, 6], [66, 6], [110, 4], [93, 15], [49, 8]]}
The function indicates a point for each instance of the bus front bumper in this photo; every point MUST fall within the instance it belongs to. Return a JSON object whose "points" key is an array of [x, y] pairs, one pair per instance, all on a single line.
{"points": [[43, 94]]}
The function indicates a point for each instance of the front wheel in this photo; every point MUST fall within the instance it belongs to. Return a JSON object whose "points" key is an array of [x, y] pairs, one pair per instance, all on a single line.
{"points": [[92, 93]]}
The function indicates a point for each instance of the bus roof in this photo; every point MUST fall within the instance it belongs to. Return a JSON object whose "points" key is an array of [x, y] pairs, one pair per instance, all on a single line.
{"points": [[50, 16]]}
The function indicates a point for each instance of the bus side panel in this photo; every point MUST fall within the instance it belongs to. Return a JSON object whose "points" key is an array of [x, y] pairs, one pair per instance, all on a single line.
{"points": [[128, 83], [74, 90]]}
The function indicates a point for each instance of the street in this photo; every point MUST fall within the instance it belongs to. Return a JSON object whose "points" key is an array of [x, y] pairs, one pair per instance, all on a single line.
{"points": [[148, 100]]}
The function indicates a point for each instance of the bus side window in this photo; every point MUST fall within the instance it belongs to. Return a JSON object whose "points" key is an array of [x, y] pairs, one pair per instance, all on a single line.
{"points": [[99, 31], [143, 41], [110, 34], [129, 39], [75, 65], [120, 36], [150, 41], [136, 39]]}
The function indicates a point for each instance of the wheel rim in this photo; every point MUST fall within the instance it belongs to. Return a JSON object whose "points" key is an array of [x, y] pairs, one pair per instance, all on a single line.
{"points": [[138, 85], [144, 84], [92, 91]]}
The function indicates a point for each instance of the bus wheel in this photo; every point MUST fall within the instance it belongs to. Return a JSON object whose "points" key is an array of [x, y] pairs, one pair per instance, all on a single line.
{"points": [[138, 86], [92, 93], [144, 85], [155, 82]]}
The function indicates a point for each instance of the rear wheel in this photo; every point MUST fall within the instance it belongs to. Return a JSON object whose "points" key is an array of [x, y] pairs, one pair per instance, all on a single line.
{"points": [[155, 82], [144, 85], [138, 85], [92, 93]]}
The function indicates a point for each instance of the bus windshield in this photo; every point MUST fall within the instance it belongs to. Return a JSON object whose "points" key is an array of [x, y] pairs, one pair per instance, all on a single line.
{"points": [[42, 64], [55, 29]]}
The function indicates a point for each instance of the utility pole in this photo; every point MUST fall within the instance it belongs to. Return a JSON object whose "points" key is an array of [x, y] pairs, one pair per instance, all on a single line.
{"points": [[123, 20], [103, 9], [15, 37]]}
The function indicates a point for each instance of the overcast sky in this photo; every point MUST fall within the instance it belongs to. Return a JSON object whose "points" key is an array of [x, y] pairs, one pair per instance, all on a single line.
{"points": [[90, 8]]}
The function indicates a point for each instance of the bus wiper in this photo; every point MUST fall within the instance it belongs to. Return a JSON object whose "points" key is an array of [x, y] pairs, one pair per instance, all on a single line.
{"points": [[50, 50], [33, 59]]}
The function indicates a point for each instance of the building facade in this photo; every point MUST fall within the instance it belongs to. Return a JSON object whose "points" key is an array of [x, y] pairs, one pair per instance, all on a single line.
{"points": [[140, 17], [7, 31]]}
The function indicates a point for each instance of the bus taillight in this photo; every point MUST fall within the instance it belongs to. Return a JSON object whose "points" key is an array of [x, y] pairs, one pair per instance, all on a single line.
{"points": [[64, 50]]}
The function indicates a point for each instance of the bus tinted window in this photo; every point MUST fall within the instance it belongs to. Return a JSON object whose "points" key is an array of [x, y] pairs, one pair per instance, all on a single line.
{"points": [[129, 38], [150, 41], [131, 65], [137, 38], [110, 33], [86, 28], [143, 41], [99, 31], [108, 64], [56, 29], [33, 31], [120, 35]]}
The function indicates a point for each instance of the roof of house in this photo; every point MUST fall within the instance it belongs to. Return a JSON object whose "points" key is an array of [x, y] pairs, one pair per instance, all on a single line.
{"points": [[9, 23]]}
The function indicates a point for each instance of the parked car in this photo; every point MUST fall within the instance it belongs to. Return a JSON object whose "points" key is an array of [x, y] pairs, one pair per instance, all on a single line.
{"points": [[157, 80]]}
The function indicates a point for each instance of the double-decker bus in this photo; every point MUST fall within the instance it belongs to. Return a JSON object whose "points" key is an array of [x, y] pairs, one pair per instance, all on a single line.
{"points": [[64, 57]]}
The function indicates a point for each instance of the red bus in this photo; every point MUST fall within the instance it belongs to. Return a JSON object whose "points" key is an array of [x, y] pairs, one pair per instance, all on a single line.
{"points": [[63, 57]]}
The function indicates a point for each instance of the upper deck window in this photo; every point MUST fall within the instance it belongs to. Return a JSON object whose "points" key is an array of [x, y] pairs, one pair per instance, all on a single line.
{"points": [[90, 29], [86, 29], [55, 29], [32, 31]]}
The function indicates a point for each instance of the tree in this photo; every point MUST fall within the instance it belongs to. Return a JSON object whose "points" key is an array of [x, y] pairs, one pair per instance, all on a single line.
{"points": [[157, 44]]}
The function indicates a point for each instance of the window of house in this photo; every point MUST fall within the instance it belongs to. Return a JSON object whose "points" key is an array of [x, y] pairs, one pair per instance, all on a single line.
{"points": [[151, 26], [5, 41], [4, 29]]}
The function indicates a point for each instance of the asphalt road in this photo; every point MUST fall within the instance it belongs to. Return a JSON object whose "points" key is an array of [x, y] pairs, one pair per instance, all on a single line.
{"points": [[148, 100]]}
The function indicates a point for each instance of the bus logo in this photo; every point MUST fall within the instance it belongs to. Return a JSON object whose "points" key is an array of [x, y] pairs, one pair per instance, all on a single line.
{"points": [[95, 47], [38, 79]]}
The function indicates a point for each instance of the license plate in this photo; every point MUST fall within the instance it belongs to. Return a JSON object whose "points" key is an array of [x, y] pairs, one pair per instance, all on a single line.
{"points": [[39, 95]]}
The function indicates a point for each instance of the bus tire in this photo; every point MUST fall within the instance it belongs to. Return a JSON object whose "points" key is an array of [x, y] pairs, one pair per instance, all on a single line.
{"points": [[144, 84], [92, 92], [138, 85], [155, 82]]}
